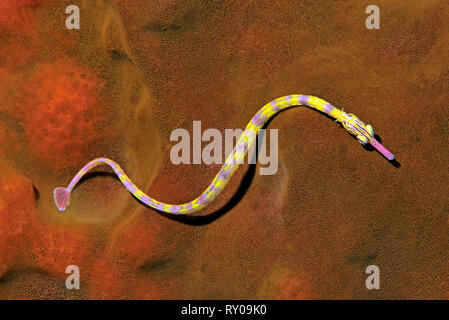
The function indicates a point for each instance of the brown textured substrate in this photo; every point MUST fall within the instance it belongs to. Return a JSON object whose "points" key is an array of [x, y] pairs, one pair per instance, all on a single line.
{"points": [[136, 71]]}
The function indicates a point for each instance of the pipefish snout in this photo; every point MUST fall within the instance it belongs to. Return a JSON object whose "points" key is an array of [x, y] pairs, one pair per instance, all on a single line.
{"points": [[364, 134]]}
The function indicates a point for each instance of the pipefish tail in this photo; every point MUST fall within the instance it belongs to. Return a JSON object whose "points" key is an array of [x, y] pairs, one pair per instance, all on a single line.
{"points": [[364, 134]]}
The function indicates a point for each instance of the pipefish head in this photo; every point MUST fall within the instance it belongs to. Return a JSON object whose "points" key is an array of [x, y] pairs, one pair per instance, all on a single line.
{"points": [[364, 133], [355, 126]]}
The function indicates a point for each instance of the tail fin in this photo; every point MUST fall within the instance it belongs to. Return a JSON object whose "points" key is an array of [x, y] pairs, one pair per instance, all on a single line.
{"points": [[62, 197]]}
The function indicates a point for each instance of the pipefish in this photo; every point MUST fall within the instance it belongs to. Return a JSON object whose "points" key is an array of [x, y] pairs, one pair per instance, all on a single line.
{"points": [[364, 134]]}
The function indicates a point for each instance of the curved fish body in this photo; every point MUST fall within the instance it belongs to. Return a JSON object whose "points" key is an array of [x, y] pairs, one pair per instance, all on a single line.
{"points": [[364, 133]]}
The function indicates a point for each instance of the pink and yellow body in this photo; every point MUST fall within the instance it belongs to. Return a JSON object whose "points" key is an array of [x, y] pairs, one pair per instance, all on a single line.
{"points": [[364, 134]]}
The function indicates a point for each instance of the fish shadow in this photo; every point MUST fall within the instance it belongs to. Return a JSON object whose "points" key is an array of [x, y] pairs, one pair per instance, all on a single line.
{"points": [[244, 186], [246, 183], [95, 174], [370, 148]]}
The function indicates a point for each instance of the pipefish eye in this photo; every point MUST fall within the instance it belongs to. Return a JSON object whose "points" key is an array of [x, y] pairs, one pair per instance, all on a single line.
{"points": [[362, 139]]}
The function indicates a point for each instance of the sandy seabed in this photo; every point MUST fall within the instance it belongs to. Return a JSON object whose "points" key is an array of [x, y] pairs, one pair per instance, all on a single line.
{"points": [[134, 72]]}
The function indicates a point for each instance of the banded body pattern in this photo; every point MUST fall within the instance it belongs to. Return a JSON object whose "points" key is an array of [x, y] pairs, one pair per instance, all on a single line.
{"points": [[246, 141]]}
